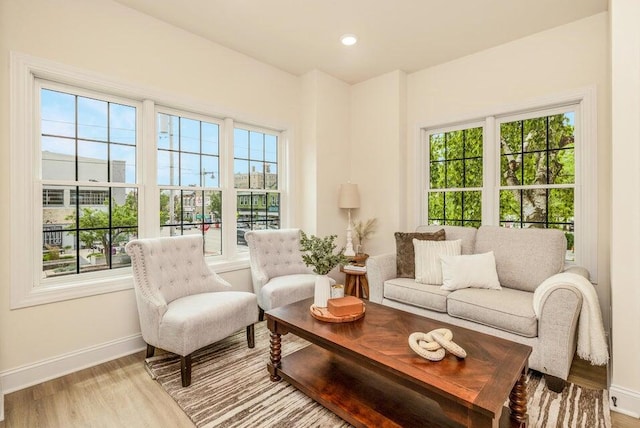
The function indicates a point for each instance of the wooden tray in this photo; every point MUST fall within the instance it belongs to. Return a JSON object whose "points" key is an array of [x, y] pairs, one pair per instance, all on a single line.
{"points": [[323, 314]]}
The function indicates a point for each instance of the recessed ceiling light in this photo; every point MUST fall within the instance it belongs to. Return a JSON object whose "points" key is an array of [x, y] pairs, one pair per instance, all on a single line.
{"points": [[349, 39]]}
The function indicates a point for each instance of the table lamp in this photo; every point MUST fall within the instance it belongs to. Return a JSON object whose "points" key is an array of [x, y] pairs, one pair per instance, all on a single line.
{"points": [[349, 198]]}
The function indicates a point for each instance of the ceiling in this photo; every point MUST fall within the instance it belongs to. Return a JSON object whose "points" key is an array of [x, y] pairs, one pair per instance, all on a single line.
{"points": [[301, 35]]}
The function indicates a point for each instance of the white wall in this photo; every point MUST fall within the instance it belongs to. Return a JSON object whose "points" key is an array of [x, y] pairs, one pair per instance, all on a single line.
{"points": [[377, 163], [105, 37], [625, 204], [325, 155]]}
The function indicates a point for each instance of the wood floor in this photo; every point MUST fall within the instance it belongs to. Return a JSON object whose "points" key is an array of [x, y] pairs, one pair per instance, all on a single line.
{"points": [[121, 393]]}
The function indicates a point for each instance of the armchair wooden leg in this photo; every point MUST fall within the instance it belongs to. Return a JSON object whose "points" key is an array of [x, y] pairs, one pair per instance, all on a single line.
{"points": [[251, 336], [260, 314], [185, 370], [555, 384], [150, 350]]}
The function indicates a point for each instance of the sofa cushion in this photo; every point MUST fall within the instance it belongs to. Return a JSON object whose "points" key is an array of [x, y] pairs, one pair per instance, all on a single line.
{"points": [[524, 257], [469, 271], [407, 290], [405, 255], [466, 234], [428, 264], [506, 309]]}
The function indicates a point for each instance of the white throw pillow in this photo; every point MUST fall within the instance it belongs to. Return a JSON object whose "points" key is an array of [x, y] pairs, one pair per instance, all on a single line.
{"points": [[427, 254], [472, 271]]}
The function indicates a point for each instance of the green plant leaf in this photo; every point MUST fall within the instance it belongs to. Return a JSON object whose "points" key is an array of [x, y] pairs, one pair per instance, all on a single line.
{"points": [[320, 253]]}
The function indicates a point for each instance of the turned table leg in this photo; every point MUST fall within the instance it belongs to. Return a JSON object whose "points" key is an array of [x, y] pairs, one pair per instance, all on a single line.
{"points": [[275, 355], [518, 401]]}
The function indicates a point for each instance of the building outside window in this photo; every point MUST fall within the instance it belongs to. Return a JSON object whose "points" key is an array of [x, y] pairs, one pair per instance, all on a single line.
{"points": [[189, 178], [255, 175], [90, 184], [89, 193], [106, 170]]}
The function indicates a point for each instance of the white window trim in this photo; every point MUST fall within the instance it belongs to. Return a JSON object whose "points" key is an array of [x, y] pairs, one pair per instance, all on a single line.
{"points": [[586, 180], [427, 165], [26, 289]]}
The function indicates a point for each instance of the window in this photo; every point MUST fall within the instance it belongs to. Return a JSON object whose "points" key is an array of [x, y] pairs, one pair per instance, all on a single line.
{"points": [[189, 176], [104, 163], [52, 197], [537, 173], [527, 173], [256, 170], [89, 193], [455, 177]]}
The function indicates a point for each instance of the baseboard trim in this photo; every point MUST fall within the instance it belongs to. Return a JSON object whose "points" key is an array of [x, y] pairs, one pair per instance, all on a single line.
{"points": [[42, 371], [624, 400]]}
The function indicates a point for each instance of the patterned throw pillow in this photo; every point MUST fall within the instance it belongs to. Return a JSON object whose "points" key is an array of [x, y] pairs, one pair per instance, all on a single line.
{"points": [[405, 255], [428, 264]]}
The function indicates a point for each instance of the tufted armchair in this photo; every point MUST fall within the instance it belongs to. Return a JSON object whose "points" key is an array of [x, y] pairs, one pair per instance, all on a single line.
{"points": [[183, 305], [279, 275]]}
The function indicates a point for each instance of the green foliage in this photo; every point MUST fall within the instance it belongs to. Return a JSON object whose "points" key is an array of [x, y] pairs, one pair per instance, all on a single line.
{"points": [[320, 253], [164, 208], [215, 205], [570, 240], [533, 152], [456, 163], [52, 253], [94, 224]]}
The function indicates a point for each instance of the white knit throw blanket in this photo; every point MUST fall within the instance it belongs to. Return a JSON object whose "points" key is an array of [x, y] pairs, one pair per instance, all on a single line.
{"points": [[592, 342]]}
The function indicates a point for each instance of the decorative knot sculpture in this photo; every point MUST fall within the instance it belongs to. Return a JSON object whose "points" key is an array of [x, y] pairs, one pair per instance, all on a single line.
{"points": [[433, 345]]}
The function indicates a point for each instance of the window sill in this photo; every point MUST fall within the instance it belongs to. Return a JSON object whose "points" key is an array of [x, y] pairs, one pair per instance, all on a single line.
{"points": [[109, 282], [222, 266]]}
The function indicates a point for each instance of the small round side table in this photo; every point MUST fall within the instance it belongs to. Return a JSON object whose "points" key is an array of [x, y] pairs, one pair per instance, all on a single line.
{"points": [[356, 283]]}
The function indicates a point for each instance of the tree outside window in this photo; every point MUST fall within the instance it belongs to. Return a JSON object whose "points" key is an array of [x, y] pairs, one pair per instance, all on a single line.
{"points": [[537, 166], [537, 174], [455, 177], [89, 194]]}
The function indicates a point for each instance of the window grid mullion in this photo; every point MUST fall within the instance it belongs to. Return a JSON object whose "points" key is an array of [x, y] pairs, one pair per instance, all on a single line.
{"points": [[547, 191], [464, 175]]}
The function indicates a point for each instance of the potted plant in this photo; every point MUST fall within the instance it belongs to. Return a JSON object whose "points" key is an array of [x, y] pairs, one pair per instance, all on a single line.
{"points": [[320, 254]]}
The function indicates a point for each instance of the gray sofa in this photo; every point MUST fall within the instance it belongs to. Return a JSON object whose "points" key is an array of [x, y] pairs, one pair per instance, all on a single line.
{"points": [[524, 259]]}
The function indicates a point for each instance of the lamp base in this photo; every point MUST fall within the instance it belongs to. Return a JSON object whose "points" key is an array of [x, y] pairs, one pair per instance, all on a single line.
{"points": [[348, 249]]}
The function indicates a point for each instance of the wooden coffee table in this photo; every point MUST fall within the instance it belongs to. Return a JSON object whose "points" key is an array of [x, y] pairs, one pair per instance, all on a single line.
{"points": [[366, 373]]}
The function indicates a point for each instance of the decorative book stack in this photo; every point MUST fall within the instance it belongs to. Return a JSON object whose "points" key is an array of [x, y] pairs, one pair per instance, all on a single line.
{"points": [[355, 268]]}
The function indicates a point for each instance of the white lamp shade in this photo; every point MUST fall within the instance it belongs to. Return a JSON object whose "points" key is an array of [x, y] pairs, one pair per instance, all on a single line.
{"points": [[349, 196]]}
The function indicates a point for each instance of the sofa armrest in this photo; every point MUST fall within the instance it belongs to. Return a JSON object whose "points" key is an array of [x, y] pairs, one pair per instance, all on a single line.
{"points": [[578, 270], [150, 313], [379, 269], [557, 328]]}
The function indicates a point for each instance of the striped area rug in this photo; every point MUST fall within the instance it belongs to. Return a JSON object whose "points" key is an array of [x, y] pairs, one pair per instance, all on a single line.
{"points": [[231, 388]]}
